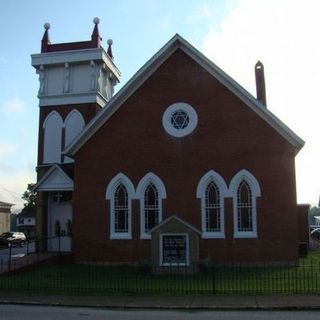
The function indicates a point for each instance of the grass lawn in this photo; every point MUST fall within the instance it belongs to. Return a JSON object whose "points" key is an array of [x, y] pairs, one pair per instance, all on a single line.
{"points": [[80, 279]]}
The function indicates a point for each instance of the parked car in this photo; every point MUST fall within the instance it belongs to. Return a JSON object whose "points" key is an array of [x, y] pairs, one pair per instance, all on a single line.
{"points": [[315, 234], [12, 238]]}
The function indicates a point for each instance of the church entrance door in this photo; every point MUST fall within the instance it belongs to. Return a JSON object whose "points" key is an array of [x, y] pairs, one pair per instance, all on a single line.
{"points": [[59, 222]]}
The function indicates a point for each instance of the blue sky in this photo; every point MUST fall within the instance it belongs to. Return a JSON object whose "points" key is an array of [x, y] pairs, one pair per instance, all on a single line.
{"points": [[232, 33]]}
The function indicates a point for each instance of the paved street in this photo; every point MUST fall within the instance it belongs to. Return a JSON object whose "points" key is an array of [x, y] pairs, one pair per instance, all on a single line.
{"points": [[18, 312], [16, 252]]}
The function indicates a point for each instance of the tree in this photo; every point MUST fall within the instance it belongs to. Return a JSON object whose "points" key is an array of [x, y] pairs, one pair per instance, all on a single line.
{"points": [[313, 212], [30, 197]]}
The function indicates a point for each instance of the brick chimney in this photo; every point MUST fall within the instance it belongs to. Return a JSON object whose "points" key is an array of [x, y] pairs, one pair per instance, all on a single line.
{"points": [[260, 83]]}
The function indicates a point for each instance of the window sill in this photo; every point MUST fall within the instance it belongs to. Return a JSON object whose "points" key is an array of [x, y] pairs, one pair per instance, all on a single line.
{"points": [[213, 235], [244, 235], [120, 236], [174, 264], [145, 236]]}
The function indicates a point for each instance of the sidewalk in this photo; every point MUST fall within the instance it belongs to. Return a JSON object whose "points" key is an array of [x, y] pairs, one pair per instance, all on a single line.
{"points": [[214, 302]]}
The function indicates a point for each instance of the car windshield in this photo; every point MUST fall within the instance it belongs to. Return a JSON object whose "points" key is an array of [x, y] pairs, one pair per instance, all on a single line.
{"points": [[7, 235]]}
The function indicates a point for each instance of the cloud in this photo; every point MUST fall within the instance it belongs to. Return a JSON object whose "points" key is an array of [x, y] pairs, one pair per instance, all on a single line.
{"points": [[6, 152], [2, 59], [164, 23], [13, 185], [280, 33], [6, 149], [14, 174], [202, 12], [13, 106]]}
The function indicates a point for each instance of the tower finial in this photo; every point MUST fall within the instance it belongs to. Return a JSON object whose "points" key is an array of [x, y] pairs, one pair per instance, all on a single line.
{"points": [[95, 37], [45, 42], [110, 42]]}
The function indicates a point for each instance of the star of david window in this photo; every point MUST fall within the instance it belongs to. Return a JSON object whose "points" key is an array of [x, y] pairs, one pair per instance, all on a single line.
{"points": [[179, 119]]}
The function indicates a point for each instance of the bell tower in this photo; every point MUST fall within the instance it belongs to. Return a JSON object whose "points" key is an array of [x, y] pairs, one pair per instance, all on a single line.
{"points": [[76, 80], [76, 77]]}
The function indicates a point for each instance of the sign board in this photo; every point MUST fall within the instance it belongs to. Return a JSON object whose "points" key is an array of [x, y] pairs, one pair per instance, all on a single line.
{"points": [[174, 249]]}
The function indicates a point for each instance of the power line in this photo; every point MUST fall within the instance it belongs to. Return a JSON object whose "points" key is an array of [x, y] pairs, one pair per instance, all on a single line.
{"points": [[13, 194]]}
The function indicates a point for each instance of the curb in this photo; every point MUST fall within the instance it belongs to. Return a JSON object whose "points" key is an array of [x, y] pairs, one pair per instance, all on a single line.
{"points": [[132, 304]]}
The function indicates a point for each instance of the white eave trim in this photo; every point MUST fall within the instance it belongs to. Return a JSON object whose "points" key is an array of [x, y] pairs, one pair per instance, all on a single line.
{"points": [[174, 217], [177, 42], [67, 186]]}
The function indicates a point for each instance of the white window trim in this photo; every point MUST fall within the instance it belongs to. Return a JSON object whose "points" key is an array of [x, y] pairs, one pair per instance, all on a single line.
{"points": [[162, 194], [161, 248], [166, 119], [201, 194], [66, 127], [45, 157], [255, 192], [120, 178]]}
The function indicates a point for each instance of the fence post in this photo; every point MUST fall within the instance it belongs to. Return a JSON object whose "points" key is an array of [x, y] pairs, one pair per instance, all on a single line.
{"points": [[59, 239], [38, 244], [10, 252], [213, 277]]}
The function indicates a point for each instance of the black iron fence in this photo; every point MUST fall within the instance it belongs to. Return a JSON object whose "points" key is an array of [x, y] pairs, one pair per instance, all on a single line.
{"points": [[14, 256], [70, 278]]}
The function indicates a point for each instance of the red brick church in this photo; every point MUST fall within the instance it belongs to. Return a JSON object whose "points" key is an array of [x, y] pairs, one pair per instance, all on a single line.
{"points": [[181, 165]]}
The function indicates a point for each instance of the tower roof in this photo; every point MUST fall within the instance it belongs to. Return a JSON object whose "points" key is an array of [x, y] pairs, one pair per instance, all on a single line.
{"points": [[47, 46]]}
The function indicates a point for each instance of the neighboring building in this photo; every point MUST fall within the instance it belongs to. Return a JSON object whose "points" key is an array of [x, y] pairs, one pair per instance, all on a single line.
{"points": [[181, 165], [26, 223], [5, 212], [317, 221]]}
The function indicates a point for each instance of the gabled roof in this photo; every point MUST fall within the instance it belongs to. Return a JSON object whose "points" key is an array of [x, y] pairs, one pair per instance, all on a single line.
{"points": [[174, 217], [6, 205], [177, 42], [25, 212], [55, 179]]}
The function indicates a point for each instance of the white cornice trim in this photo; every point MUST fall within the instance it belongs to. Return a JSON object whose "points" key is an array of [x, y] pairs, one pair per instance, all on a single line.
{"points": [[153, 64], [74, 56], [72, 98]]}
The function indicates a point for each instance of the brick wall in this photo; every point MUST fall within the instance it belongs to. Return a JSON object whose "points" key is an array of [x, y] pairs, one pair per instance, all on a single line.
{"points": [[229, 137]]}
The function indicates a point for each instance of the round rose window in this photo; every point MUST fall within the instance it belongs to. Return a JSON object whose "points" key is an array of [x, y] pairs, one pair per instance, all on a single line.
{"points": [[179, 119]]}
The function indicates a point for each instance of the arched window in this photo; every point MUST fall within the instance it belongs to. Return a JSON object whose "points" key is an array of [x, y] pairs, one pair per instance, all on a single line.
{"points": [[52, 138], [120, 192], [244, 189], [151, 208], [244, 207], [213, 208], [74, 124], [150, 191], [212, 190], [121, 209]]}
